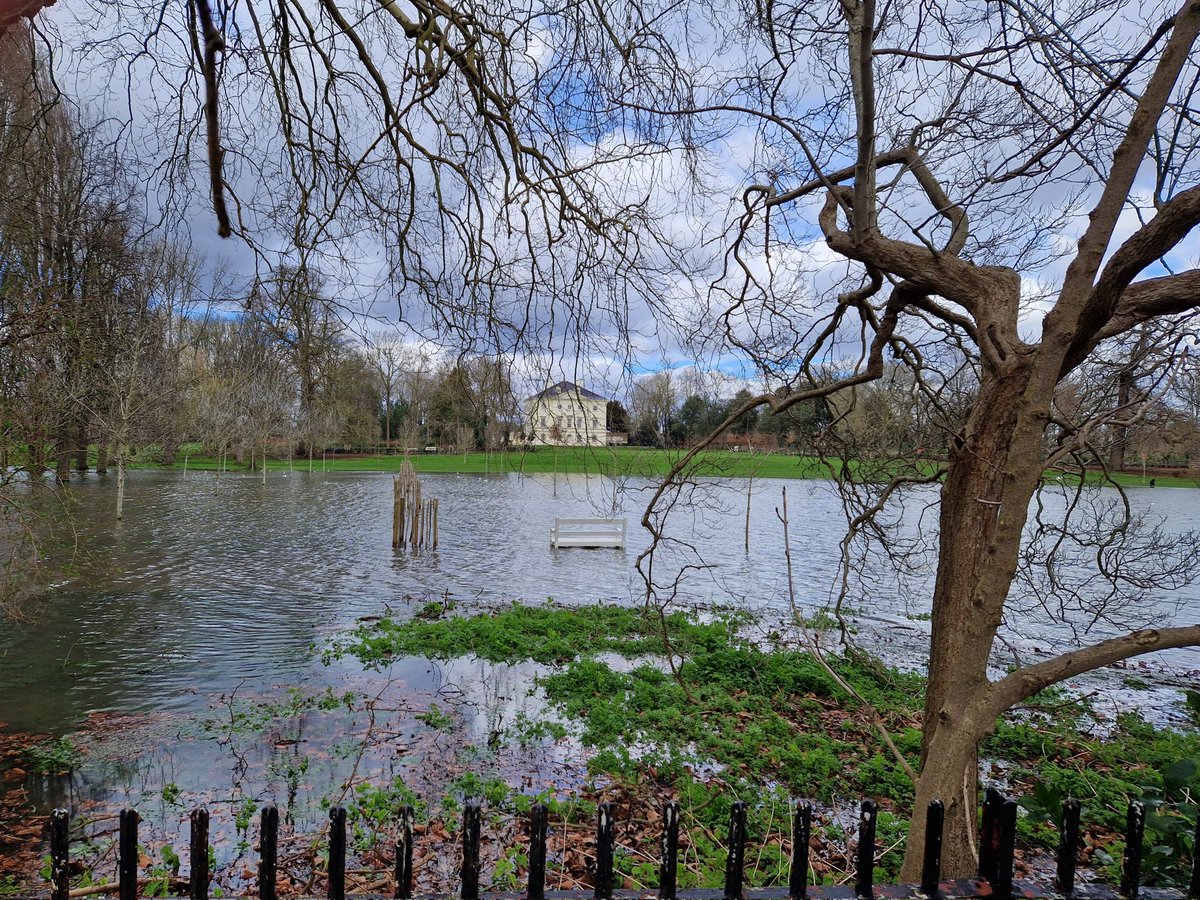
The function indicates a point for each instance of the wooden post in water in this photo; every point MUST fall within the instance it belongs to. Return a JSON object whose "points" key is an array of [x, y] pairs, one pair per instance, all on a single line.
{"points": [[414, 521]]}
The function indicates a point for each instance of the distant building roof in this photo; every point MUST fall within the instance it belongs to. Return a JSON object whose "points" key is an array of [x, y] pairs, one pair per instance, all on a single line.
{"points": [[566, 387]]}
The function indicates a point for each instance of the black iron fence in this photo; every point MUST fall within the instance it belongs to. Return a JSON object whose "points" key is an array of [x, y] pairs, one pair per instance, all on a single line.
{"points": [[995, 879]]}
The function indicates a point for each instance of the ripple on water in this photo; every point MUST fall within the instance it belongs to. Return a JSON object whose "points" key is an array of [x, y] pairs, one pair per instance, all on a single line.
{"points": [[211, 582]]}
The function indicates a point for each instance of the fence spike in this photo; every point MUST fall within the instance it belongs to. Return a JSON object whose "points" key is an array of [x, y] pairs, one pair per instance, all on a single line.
{"points": [[801, 835], [931, 867], [604, 851], [735, 861], [127, 862], [337, 853], [1135, 828], [198, 877], [60, 854], [1002, 886], [404, 854], [268, 851], [1068, 847], [537, 851], [1194, 887], [670, 851], [470, 860], [989, 834], [864, 877]]}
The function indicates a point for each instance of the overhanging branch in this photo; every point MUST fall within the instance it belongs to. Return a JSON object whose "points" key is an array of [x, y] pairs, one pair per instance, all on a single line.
{"points": [[1027, 681]]}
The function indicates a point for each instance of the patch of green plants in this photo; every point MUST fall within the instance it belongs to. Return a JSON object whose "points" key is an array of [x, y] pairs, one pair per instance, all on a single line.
{"points": [[506, 874], [373, 808], [490, 790], [58, 756], [545, 633], [1055, 761], [436, 718], [10, 886], [773, 723]]}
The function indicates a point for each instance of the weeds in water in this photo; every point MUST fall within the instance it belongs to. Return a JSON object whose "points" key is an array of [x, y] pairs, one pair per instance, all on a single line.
{"points": [[436, 718], [372, 809], [53, 757]]}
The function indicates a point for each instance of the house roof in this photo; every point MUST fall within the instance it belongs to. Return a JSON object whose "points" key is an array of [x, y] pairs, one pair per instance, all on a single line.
{"points": [[565, 387]]}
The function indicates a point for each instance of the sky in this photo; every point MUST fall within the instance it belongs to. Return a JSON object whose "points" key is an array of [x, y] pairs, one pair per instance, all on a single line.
{"points": [[674, 183]]}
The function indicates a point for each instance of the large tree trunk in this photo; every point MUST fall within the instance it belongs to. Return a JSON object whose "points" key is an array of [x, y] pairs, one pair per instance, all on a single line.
{"points": [[62, 464], [102, 459], [993, 472]]}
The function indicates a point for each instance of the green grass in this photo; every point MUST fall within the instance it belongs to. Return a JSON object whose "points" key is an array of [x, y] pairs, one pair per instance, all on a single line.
{"points": [[626, 461], [611, 461]]}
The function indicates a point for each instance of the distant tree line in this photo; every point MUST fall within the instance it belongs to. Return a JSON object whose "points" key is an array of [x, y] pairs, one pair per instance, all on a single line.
{"points": [[901, 416]]}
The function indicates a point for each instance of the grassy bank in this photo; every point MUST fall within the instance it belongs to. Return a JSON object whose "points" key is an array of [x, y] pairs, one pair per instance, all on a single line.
{"points": [[621, 462], [611, 461], [765, 722]]}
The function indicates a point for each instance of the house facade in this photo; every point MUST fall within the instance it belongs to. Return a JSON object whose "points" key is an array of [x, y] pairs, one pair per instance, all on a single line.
{"points": [[566, 414]]}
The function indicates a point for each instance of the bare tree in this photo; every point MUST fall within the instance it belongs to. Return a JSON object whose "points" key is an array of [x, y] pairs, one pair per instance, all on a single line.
{"points": [[925, 171]]}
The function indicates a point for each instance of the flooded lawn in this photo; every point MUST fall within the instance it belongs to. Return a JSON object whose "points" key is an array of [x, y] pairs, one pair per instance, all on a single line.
{"points": [[180, 653]]}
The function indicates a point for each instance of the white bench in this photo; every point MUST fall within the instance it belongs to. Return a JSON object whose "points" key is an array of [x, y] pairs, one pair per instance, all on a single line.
{"points": [[588, 533]]}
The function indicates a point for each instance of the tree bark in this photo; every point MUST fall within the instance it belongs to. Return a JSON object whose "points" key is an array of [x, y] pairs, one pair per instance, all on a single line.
{"points": [[81, 449], [102, 460], [984, 500], [121, 484]]}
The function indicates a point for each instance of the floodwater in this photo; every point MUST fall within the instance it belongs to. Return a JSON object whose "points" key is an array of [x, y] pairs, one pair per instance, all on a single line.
{"points": [[214, 582], [210, 604]]}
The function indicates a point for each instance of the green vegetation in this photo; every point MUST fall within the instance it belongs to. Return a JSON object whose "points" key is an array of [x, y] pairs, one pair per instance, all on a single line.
{"points": [[614, 462], [59, 756], [774, 724], [544, 634], [372, 808]]}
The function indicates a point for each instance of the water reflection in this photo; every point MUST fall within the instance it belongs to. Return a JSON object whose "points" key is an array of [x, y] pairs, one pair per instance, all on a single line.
{"points": [[211, 583]]}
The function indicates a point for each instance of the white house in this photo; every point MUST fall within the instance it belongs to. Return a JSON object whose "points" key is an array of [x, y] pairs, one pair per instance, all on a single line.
{"points": [[566, 414]]}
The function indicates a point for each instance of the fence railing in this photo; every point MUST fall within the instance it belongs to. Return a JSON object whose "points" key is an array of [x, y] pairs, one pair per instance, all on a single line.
{"points": [[995, 876]]}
